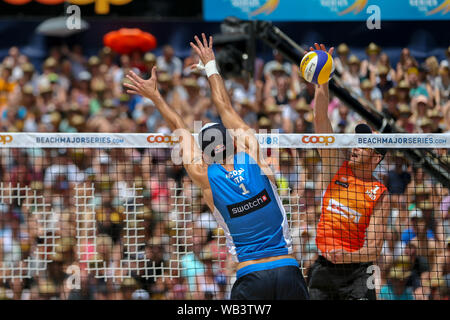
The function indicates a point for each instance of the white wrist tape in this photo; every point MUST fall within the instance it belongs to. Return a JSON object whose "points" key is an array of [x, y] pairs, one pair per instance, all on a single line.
{"points": [[211, 68]]}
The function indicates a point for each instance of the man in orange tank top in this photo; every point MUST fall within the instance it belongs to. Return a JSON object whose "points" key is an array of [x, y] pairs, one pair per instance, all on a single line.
{"points": [[355, 209]]}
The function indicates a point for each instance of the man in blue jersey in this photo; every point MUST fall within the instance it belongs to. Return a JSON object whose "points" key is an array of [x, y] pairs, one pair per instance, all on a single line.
{"points": [[239, 188]]}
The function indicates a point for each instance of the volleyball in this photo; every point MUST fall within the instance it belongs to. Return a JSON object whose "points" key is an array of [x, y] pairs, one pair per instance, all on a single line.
{"points": [[317, 67]]}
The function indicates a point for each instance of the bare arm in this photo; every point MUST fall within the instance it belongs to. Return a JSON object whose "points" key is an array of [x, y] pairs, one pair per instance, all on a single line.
{"points": [[192, 155], [245, 138], [374, 237], [322, 124]]}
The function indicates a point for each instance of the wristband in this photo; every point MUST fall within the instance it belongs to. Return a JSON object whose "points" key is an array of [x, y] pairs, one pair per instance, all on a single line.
{"points": [[211, 68]]}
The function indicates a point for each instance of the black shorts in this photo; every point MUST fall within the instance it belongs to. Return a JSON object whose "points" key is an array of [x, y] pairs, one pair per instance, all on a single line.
{"points": [[328, 281], [282, 283]]}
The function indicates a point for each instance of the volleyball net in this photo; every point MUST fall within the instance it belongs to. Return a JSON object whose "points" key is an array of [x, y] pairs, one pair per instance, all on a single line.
{"points": [[115, 216]]}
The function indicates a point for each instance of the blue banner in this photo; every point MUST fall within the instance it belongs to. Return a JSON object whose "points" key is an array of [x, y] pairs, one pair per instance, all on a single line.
{"points": [[326, 10]]}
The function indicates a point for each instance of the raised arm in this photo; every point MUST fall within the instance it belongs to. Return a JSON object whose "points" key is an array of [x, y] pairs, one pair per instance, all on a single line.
{"points": [[192, 155], [244, 136], [322, 124], [220, 97]]}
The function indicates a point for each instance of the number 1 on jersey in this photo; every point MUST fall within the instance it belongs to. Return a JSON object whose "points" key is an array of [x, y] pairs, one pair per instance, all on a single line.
{"points": [[244, 189]]}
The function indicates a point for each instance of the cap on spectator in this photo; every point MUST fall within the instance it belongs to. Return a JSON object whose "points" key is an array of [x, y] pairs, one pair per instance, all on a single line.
{"points": [[382, 70], [399, 273], [27, 89], [8, 64], [373, 48], [55, 117], [50, 62], [105, 51], [366, 84], [444, 63], [425, 205], [84, 76], [149, 57], [412, 70], [45, 88], [124, 98], [392, 92], [278, 68], [108, 103], [272, 108], [422, 99], [264, 122], [76, 120], [98, 85], [245, 102], [353, 60], [93, 61], [435, 113], [218, 232], [421, 190], [399, 155], [311, 155], [189, 82], [27, 67], [164, 77], [416, 214], [403, 84], [425, 122], [343, 49], [404, 109], [285, 157], [46, 287], [443, 70], [302, 105]]}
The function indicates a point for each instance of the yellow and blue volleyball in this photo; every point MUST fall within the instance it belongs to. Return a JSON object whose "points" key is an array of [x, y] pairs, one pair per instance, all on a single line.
{"points": [[317, 67]]}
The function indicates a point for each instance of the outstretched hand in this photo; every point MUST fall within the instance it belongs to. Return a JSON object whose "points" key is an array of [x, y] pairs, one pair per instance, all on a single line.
{"points": [[321, 47], [204, 50], [146, 88]]}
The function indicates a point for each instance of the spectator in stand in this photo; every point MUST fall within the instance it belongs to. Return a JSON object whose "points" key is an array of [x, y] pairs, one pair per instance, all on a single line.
{"points": [[169, 63], [396, 288], [399, 178], [341, 61]]}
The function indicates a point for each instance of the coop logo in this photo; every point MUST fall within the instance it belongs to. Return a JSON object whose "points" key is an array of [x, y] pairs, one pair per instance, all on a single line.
{"points": [[319, 139], [343, 7], [240, 209], [4, 139], [162, 139]]}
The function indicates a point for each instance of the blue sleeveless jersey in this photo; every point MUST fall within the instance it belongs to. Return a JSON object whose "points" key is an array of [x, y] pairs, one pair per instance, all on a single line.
{"points": [[249, 210]]}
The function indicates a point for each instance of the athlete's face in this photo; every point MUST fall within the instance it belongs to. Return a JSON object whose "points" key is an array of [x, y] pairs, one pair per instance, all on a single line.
{"points": [[364, 156]]}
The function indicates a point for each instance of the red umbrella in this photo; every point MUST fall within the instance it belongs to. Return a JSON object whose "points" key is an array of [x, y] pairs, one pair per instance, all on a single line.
{"points": [[125, 41]]}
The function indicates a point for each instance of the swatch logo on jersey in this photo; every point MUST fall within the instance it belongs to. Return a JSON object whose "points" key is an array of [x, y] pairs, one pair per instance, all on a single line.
{"points": [[4, 139], [319, 139], [245, 207], [161, 139]]}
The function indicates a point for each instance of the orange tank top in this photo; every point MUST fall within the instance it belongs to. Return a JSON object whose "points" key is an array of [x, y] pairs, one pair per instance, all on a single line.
{"points": [[347, 206]]}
